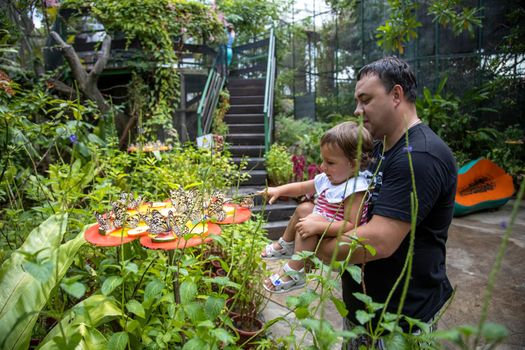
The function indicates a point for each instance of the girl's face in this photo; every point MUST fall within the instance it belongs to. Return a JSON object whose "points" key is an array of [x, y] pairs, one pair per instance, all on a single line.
{"points": [[335, 165]]}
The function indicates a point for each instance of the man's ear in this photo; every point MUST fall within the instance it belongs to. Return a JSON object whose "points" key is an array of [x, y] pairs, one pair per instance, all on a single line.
{"points": [[397, 94]]}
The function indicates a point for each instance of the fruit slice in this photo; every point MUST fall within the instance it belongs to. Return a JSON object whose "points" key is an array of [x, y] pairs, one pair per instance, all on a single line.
{"points": [[163, 237], [158, 204], [197, 229], [228, 209], [138, 231], [166, 211], [119, 232]]}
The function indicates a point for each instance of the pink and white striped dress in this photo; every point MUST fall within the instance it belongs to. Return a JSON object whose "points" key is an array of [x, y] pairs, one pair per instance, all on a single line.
{"points": [[330, 198]]}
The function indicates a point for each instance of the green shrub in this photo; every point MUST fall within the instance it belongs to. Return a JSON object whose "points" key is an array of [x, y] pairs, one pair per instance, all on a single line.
{"points": [[302, 136], [279, 165]]}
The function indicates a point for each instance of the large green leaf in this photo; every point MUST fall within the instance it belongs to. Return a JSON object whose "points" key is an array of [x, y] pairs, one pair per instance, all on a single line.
{"points": [[22, 295], [81, 319]]}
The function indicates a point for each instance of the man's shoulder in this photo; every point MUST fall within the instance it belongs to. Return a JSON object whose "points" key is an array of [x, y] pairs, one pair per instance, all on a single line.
{"points": [[424, 139]]}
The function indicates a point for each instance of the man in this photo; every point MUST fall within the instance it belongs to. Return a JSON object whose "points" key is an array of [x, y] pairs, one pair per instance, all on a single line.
{"points": [[385, 95]]}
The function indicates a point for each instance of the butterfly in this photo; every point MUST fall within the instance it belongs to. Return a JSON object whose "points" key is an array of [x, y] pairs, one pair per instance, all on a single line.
{"points": [[246, 202], [156, 222], [178, 200], [130, 201], [132, 221], [118, 214], [213, 206], [177, 224], [104, 224], [215, 210]]}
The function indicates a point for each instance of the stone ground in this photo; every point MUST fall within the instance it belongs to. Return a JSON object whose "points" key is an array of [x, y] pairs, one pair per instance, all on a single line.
{"points": [[472, 247]]}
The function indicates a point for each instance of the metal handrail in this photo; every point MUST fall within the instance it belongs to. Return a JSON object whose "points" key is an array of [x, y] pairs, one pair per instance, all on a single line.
{"points": [[269, 93], [211, 92]]}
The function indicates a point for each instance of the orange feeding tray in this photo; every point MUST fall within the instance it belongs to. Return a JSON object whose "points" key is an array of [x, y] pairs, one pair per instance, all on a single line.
{"points": [[235, 214], [181, 243], [114, 239], [481, 185]]}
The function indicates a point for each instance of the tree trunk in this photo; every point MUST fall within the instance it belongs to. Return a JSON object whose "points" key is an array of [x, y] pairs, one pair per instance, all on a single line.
{"points": [[87, 82]]}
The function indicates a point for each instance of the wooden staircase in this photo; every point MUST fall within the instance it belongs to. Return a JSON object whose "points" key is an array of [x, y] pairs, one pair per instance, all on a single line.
{"points": [[245, 120]]}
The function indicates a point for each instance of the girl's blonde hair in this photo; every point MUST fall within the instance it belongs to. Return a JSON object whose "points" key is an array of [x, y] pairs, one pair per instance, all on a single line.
{"points": [[346, 136]]}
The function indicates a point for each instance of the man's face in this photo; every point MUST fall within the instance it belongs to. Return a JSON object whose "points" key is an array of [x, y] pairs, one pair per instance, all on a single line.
{"points": [[375, 104]]}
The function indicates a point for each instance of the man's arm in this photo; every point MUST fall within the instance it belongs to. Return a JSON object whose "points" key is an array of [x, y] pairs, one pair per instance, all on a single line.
{"points": [[382, 233]]}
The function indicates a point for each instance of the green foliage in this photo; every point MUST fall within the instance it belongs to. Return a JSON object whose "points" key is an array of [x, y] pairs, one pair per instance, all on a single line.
{"points": [[464, 134], [279, 165], [301, 135], [219, 127], [508, 151], [240, 249], [28, 278], [79, 325], [400, 28], [446, 13], [157, 25], [250, 18]]}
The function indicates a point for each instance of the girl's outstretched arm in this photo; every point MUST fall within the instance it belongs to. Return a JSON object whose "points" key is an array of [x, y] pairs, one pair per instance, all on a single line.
{"points": [[294, 189]]}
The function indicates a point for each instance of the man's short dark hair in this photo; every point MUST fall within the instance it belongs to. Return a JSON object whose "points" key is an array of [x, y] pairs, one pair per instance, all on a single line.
{"points": [[392, 70]]}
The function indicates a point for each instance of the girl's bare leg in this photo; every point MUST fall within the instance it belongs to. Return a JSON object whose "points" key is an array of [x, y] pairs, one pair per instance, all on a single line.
{"points": [[301, 245], [303, 210]]}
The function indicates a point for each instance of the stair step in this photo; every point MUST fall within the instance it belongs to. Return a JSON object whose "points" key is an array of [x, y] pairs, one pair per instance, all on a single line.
{"points": [[257, 118], [246, 100], [249, 190], [275, 229], [246, 90], [277, 211], [244, 190], [255, 163], [257, 178], [246, 109], [241, 82], [245, 128], [249, 151], [245, 139]]}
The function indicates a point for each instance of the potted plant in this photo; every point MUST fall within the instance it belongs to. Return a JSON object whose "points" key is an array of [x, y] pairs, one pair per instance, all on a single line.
{"points": [[247, 270], [279, 165]]}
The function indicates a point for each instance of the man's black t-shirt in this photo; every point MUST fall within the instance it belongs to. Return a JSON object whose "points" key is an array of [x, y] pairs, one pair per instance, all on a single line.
{"points": [[435, 176]]}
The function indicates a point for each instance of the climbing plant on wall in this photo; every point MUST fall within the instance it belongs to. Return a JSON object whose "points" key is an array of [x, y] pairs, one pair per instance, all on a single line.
{"points": [[158, 25]]}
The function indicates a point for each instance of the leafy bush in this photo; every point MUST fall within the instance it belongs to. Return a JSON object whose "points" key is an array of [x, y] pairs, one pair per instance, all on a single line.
{"points": [[301, 136], [467, 137], [279, 165], [219, 127]]}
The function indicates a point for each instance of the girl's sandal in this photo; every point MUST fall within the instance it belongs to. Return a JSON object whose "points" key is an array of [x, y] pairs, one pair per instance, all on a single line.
{"points": [[285, 252], [298, 280]]}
